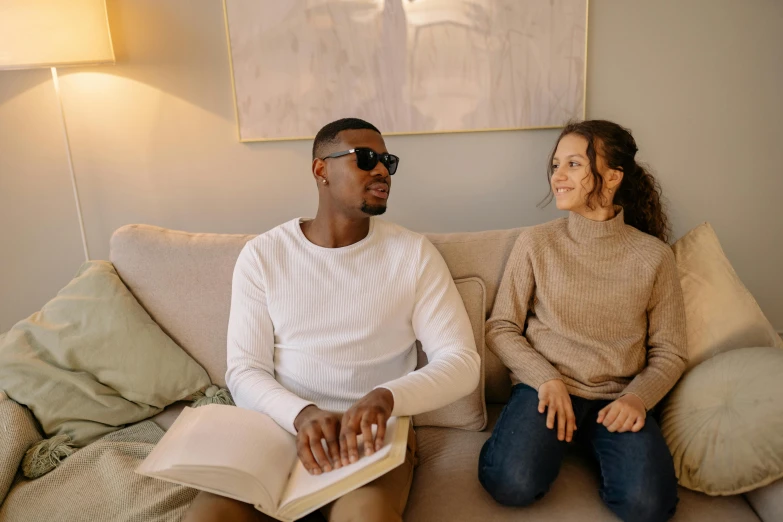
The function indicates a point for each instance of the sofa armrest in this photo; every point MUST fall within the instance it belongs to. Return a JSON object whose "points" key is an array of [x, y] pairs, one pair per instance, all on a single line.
{"points": [[767, 502], [18, 431]]}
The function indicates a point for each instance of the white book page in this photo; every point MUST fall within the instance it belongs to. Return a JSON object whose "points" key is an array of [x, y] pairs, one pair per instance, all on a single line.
{"points": [[213, 446], [301, 483]]}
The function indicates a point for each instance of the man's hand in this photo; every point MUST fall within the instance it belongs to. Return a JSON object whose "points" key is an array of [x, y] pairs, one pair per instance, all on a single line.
{"points": [[312, 425], [553, 395], [625, 414], [373, 408]]}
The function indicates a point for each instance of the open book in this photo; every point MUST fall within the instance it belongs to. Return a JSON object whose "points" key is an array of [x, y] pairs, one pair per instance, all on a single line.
{"points": [[247, 456]]}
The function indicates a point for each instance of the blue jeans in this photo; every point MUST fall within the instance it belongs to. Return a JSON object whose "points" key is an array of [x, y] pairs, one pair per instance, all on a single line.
{"points": [[522, 458]]}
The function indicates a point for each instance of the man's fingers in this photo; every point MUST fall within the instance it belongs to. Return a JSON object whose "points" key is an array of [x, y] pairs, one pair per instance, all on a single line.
{"points": [[348, 438], [344, 452], [366, 427], [317, 447], [380, 435], [334, 453], [306, 455], [331, 435]]}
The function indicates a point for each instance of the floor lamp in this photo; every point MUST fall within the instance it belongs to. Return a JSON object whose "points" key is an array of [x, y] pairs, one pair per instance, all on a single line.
{"points": [[53, 33]]}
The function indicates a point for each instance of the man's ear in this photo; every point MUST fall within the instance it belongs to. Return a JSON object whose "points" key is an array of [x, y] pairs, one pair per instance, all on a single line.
{"points": [[319, 170]]}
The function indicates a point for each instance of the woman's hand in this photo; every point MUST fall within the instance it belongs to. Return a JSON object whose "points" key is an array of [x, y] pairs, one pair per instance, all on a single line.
{"points": [[553, 395], [625, 414]]}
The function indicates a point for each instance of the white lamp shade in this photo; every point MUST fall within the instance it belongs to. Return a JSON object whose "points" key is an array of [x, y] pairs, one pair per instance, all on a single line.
{"points": [[51, 33]]}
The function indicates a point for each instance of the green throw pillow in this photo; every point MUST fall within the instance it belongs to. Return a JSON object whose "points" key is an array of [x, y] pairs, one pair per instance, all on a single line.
{"points": [[92, 360]]}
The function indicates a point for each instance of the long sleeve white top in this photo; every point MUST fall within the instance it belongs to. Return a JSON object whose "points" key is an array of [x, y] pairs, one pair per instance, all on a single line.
{"points": [[325, 326]]}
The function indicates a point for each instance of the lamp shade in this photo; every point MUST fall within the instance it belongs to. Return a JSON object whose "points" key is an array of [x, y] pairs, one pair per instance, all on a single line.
{"points": [[51, 33]]}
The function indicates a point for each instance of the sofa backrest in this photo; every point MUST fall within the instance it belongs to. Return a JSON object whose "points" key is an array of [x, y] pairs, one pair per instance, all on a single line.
{"points": [[183, 280], [483, 255]]}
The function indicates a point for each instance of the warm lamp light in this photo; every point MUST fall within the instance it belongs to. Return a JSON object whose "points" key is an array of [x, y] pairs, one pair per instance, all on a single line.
{"points": [[53, 33]]}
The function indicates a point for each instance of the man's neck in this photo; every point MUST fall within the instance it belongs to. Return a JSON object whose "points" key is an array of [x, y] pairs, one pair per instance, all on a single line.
{"points": [[335, 231]]}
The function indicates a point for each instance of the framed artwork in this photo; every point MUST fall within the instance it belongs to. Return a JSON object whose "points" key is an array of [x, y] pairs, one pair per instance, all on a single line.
{"points": [[407, 66]]}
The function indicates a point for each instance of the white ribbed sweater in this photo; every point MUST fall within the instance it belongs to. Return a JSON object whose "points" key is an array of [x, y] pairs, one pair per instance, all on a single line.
{"points": [[324, 326]]}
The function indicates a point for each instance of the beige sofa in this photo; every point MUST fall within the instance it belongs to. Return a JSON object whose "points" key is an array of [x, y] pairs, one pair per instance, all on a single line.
{"points": [[184, 282]]}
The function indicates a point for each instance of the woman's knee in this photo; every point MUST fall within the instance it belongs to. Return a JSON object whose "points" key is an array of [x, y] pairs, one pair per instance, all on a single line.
{"points": [[656, 504], [639, 483], [522, 457], [511, 483]]}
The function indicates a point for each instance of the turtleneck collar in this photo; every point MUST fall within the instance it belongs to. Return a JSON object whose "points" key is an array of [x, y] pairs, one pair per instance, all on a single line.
{"points": [[582, 229]]}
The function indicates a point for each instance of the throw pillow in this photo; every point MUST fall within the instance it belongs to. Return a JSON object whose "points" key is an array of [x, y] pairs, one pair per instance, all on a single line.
{"points": [[469, 412], [92, 360], [720, 313], [723, 422]]}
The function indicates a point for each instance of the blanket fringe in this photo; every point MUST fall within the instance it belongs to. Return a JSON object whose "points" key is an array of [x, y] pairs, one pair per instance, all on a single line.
{"points": [[44, 456]]}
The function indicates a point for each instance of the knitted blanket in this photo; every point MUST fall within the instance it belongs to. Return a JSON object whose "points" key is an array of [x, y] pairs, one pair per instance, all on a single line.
{"points": [[95, 483]]}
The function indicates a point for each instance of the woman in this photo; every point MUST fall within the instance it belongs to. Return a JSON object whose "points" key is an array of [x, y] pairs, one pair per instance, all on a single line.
{"points": [[590, 320]]}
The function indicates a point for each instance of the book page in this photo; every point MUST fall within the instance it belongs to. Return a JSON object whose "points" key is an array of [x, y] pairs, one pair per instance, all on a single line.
{"points": [[340, 481], [226, 450]]}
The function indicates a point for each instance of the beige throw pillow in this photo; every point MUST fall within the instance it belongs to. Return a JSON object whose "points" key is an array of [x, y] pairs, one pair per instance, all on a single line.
{"points": [[720, 313], [469, 412], [92, 360], [723, 422]]}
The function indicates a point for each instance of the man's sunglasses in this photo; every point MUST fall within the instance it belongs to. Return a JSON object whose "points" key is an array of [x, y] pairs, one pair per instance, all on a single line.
{"points": [[367, 159]]}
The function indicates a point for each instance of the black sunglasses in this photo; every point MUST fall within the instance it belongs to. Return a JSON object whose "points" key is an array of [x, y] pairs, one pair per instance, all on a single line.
{"points": [[367, 159]]}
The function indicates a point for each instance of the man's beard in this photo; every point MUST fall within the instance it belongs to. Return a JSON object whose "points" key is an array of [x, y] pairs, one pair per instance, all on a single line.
{"points": [[373, 210]]}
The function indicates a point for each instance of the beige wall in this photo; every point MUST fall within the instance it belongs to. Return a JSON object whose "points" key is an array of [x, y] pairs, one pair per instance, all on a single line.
{"points": [[154, 141], [700, 83]]}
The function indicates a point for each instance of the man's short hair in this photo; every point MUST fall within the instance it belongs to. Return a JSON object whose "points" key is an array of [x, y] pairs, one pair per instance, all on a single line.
{"points": [[328, 134]]}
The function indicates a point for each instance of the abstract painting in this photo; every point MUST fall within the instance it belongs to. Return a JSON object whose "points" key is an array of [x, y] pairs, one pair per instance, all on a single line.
{"points": [[407, 66]]}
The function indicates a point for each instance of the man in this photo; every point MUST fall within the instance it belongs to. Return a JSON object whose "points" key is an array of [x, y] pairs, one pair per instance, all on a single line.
{"points": [[324, 318]]}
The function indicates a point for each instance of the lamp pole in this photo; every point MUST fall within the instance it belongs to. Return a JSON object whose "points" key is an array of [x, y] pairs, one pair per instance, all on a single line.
{"points": [[70, 163]]}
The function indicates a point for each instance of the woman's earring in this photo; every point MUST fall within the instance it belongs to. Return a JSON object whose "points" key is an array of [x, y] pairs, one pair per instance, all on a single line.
{"points": [[323, 181]]}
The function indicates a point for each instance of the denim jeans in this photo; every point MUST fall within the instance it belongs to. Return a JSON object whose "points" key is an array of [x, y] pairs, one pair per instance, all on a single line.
{"points": [[522, 458]]}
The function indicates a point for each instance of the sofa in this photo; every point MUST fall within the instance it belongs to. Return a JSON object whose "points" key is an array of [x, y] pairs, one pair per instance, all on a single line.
{"points": [[183, 281]]}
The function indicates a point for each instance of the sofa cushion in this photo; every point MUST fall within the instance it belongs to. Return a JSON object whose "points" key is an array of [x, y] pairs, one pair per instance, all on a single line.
{"points": [[469, 412], [446, 487], [768, 501], [92, 360], [184, 281], [720, 313], [724, 422], [482, 255]]}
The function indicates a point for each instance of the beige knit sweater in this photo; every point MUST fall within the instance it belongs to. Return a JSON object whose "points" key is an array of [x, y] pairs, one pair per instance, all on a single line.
{"points": [[596, 304]]}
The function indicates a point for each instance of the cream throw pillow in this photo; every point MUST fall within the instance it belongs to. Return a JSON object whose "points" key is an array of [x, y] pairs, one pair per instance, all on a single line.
{"points": [[724, 422], [469, 412], [720, 313], [92, 360]]}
